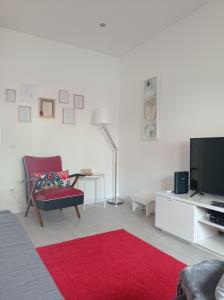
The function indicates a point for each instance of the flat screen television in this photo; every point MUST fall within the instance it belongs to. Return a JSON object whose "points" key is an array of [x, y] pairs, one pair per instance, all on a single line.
{"points": [[207, 165]]}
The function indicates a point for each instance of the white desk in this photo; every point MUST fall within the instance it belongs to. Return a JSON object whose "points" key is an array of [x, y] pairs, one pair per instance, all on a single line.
{"points": [[99, 190]]}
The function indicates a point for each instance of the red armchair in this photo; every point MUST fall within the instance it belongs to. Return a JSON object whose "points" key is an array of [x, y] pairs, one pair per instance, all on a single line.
{"points": [[53, 198]]}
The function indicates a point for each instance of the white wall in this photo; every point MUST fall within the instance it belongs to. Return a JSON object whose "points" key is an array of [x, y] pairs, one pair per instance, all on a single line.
{"points": [[52, 66], [189, 60]]}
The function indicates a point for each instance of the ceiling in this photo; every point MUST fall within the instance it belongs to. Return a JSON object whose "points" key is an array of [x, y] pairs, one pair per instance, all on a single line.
{"points": [[129, 23]]}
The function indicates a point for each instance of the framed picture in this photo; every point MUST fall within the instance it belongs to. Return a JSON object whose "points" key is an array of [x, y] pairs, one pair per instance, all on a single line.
{"points": [[63, 96], [24, 113], [150, 127], [47, 108], [10, 95], [28, 93], [79, 101], [68, 116]]}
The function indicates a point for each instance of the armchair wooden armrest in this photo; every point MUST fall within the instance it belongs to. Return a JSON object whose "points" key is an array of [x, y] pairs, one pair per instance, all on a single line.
{"points": [[76, 175]]}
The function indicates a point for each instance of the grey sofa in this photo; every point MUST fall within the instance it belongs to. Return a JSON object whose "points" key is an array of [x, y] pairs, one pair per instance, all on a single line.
{"points": [[198, 282], [23, 275]]}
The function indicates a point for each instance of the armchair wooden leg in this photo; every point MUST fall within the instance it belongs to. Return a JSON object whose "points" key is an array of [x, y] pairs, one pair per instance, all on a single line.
{"points": [[77, 211], [38, 213], [28, 207]]}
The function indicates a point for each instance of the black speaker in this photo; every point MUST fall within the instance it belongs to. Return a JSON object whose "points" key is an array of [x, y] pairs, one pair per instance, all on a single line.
{"points": [[181, 182]]}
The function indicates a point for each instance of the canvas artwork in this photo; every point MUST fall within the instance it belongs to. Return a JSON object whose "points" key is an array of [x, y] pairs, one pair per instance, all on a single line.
{"points": [[150, 109]]}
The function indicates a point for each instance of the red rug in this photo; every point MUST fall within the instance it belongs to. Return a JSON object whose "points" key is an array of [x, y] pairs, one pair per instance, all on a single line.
{"points": [[111, 266]]}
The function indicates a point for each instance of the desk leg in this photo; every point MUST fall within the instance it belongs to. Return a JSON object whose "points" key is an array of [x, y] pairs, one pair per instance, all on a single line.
{"points": [[84, 190], [104, 192], [96, 192], [148, 209], [134, 206]]}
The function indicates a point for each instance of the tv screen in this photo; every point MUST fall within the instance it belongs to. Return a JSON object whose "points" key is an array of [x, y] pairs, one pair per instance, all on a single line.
{"points": [[207, 165]]}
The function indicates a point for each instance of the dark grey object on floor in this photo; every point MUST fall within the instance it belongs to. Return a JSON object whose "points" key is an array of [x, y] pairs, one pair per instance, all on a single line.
{"points": [[23, 275], [198, 282], [219, 291]]}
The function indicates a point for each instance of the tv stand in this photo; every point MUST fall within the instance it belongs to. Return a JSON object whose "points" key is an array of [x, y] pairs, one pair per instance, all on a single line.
{"points": [[184, 217], [197, 193]]}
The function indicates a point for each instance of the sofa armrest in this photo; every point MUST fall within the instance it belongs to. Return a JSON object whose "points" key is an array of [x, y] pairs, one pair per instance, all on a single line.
{"points": [[181, 297], [199, 281]]}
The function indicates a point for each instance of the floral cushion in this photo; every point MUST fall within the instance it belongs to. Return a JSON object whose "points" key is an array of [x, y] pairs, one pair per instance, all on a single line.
{"points": [[51, 180]]}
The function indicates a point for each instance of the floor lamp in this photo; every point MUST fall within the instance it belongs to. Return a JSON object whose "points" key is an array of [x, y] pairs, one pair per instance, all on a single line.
{"points": [[102, 119]]}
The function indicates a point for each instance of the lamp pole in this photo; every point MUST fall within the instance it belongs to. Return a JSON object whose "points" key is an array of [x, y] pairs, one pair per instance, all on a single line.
{"points": [[114, 201]]}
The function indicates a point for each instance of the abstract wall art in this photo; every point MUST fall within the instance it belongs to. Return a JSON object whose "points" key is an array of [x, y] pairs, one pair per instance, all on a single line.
{"points": [[150, 127]]}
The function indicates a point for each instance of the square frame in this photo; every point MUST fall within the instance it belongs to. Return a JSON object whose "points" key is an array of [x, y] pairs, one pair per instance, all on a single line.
{"points": [[47, 108], [79, 101], [68, 116], [28, 93], [10, 95], [63, 96], [24, 113]]}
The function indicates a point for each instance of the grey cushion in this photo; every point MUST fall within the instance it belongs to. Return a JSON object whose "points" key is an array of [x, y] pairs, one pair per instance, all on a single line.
{"points": [[23, 275], [198, 282], [219, 291]]}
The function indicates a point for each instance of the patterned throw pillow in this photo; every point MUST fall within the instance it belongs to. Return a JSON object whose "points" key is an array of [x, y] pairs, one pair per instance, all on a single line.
{"points": [[51, 180]]}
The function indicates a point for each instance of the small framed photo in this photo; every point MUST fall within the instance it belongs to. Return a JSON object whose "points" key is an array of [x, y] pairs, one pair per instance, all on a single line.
{"points": [[10, 95], [47, 108], [68, 115], [79, 101], [24, 113], [63, 97], [28, 93]]}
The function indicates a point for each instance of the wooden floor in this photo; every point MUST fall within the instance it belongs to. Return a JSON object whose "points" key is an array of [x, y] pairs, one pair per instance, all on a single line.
{"points": [[65, 225]]}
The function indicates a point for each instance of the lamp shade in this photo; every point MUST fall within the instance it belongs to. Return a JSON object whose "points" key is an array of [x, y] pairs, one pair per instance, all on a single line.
{"points": [[102, 116]]}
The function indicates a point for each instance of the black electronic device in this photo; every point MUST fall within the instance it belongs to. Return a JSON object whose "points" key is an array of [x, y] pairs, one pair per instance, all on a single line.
{"points": [[216, 203], [181, 182], [207, 165], [216, 217]]}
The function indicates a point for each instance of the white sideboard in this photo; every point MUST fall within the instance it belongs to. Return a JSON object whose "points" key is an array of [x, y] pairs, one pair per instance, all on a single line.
{"points": [[185, 217]]}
